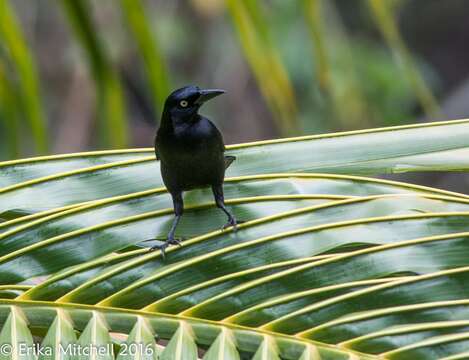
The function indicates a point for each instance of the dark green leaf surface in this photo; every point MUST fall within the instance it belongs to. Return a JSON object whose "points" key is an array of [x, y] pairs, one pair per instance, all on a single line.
{"points": [[400, 336], [274, 249], [85, 244], [444, 287], [347, 268], [263, 228]]}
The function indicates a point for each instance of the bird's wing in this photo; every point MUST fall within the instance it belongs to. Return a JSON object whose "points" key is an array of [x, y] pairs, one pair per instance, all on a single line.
{"points": [[215, 136], [156, 145], [229, 160], [221, 145]]}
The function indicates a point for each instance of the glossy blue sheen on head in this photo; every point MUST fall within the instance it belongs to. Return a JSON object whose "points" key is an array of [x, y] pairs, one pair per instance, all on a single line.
{"points": [[182, 114], [187, 93], [182, 105]]}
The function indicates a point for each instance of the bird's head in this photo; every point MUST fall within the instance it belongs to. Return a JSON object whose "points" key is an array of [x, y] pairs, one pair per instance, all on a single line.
{"points": [[183, 104]]}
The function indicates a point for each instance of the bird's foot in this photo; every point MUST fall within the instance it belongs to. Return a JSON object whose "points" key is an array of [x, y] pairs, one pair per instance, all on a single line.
{"points": [[175, 242], [172, 241], [167, 243], [234, 223], [161, 247]]}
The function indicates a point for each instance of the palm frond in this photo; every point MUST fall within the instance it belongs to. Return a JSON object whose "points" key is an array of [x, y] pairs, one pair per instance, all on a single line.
{"points": [[22, 319], [326, 266]]}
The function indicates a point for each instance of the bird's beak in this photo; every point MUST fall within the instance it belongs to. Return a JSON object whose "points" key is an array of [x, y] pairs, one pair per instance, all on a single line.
{"points": [[208, 94]]}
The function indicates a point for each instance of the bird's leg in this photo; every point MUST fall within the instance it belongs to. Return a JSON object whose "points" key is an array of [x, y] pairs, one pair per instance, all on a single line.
{"points": [[220, 201], [178, 204]]}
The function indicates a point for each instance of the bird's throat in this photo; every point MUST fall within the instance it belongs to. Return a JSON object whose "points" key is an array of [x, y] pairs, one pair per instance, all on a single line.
{"points": [[185, 121]]}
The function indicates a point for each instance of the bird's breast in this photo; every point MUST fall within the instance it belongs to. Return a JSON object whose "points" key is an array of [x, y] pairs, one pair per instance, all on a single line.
{"points": [[190, 168], [191, 157], [186, 142]]}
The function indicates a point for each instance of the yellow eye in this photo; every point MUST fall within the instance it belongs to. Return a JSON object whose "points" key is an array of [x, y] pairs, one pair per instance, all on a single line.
{"points": [[183, 103]]}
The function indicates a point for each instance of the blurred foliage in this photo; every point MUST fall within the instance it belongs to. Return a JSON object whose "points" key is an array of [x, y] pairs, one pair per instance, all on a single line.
{"points": [[383, 15], [9, 113], [261, 52], [155, 66], [345, 99], [111, 100], [312, 72], [19, 58]]}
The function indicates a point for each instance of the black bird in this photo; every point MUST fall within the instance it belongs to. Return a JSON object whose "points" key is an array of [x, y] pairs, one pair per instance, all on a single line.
{"points": [[191, 151]]}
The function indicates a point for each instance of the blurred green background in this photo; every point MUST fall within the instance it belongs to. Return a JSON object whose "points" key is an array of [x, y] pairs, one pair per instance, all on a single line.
{"points": [[81, 74]]}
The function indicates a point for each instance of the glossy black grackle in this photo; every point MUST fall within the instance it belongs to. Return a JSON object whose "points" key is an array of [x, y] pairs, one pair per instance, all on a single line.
{"points": [[191, 151]]}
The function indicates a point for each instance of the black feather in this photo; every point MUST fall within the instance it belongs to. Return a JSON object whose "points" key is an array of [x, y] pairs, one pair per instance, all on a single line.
{"points": [[229, 160]]}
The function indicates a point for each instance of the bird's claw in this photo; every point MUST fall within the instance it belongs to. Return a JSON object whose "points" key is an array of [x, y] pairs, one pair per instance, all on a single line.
{"points": [[232, 222], [167, 243], [229, 224], [161, 247], [174, 242]]}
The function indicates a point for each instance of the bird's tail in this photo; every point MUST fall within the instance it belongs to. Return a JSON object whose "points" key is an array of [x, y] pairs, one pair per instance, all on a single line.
{"points": [[228, 160]]}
